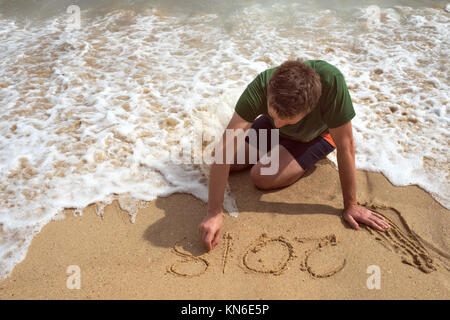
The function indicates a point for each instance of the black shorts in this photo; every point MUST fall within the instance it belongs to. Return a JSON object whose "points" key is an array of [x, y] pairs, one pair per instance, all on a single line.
{"points": [[306, 153]]}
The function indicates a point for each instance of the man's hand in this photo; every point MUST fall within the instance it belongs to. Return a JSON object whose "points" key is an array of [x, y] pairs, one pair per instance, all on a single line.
{"points": [[354, 214], [210, 230]]}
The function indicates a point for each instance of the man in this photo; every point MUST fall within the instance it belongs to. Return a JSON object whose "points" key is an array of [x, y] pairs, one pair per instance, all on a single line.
{"points": [[310, 104]]}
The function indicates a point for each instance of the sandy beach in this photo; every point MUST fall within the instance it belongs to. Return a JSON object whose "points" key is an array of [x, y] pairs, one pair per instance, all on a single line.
{"points": [[285, 244]]}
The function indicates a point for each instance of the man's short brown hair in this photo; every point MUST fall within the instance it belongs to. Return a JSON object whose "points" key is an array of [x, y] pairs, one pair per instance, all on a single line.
{"points": [[293, 89]]}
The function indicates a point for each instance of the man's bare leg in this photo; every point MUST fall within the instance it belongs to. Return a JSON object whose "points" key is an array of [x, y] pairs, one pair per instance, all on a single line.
{"points": [[289, 171]]}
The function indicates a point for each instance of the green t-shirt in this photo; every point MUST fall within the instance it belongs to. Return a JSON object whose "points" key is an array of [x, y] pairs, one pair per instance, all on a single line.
{"points": [[334, 108]]}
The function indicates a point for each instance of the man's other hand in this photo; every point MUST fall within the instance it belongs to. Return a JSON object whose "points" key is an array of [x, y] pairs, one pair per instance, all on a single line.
{"points": [[354, 214]]}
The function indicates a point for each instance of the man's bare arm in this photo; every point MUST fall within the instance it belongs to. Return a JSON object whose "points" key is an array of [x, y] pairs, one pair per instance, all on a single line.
{"points": [[210, 228], [343, 137]]}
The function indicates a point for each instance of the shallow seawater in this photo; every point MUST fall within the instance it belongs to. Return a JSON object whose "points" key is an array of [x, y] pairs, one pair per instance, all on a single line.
{"points": [[99, 110]]}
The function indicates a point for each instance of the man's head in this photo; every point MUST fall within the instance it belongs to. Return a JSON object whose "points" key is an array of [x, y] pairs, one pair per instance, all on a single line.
{"points": [[293, 91]]}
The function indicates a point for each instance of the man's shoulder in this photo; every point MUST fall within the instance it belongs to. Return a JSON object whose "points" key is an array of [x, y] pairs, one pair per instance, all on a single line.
{"points": [[327, 71], [263, 77], [322, 66]]}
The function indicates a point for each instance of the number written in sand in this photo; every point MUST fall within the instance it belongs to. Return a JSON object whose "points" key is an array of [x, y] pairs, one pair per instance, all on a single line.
{"points": [[227, 249], [267, 255], [320, 244], [190, 266]]}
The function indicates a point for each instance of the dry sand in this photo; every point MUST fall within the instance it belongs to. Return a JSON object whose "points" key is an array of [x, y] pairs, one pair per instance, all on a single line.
{"points": [[289, 243]]}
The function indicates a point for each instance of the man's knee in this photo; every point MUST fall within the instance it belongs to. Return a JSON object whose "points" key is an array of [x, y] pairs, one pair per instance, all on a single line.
{"points": [[267, 182], [264, 182]]}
